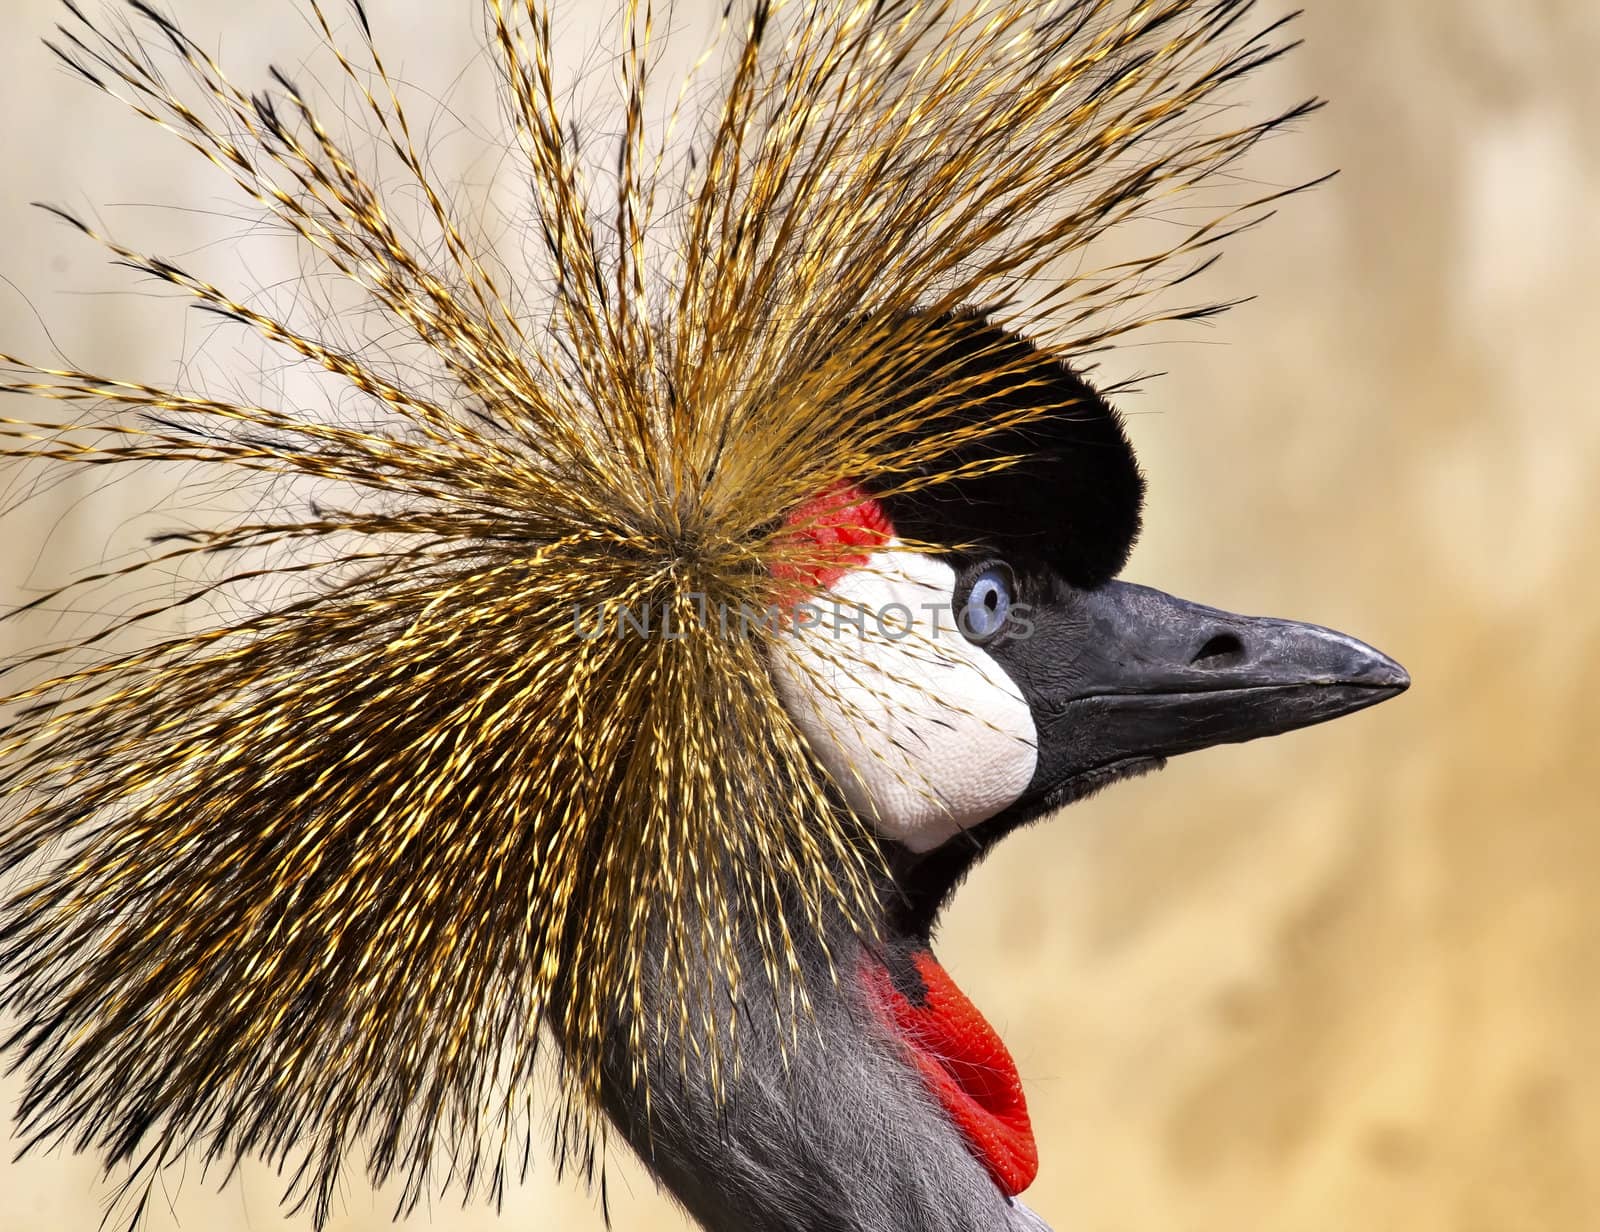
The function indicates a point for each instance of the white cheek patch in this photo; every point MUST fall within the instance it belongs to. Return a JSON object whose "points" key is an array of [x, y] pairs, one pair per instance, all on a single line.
{"points": [[924, 732]]}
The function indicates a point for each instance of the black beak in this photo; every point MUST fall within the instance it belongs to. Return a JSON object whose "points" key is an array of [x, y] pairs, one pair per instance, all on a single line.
{"points": [[1120, 678], [1146, 675]]}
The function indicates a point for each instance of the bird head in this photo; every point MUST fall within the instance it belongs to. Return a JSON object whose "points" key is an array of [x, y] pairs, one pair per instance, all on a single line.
{"points": [[974, 664]]}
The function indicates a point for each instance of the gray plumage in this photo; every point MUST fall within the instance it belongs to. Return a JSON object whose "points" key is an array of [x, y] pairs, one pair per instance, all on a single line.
{"points": [[844, 1137]]}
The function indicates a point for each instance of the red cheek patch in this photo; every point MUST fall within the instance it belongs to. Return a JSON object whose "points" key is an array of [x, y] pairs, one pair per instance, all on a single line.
{"points": [[966, 1068], [832, 534]]}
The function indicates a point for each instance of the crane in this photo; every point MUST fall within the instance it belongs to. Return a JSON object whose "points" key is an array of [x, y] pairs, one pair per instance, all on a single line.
{"points": [[655, 637]]}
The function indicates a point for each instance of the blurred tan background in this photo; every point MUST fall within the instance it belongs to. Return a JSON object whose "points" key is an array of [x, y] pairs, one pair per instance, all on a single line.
{"points": [[1346, 979]]}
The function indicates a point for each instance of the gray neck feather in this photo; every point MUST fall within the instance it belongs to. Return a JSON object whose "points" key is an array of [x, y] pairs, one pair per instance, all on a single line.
{"points": [[842, 1138]]}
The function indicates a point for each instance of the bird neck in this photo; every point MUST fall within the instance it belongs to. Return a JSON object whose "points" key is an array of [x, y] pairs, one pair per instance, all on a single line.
{"points": [[893, 1108]]}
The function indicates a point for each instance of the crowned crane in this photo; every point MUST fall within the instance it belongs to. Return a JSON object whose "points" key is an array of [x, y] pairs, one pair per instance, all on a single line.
{"points": [[498, 758]]}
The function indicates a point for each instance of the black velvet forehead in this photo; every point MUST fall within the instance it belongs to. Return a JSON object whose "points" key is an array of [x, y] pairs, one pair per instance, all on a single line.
{"points": [[1073, 503]]}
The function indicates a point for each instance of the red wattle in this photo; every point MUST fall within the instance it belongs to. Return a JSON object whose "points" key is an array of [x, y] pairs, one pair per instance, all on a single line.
{"points": [[965, 1066]]}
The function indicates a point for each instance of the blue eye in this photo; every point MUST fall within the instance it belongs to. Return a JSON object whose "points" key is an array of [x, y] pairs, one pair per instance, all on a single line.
{"points": [[987, 606]]}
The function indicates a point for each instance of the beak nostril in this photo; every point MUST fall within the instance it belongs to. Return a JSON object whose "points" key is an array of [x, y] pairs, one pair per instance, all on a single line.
{"points": [[1221, 649]]}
